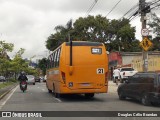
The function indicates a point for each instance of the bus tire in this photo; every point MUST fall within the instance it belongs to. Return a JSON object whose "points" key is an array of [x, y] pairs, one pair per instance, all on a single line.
{"points": [[89, 95], [50, 91], [57, 95]]}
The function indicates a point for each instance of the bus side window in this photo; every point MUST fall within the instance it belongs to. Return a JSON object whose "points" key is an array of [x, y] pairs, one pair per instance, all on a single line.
{"points": [[58, 56], [55, 55], [49, 63], [52, 59]]}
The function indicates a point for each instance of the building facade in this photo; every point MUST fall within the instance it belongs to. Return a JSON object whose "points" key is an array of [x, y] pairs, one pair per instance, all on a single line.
{"points": [[135, 60]]}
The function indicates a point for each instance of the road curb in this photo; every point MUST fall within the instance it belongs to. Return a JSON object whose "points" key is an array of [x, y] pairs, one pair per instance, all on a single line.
{"points": [[5, 93]]}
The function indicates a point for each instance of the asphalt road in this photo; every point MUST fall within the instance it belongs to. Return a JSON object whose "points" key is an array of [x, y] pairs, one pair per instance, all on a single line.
{"points": [[37, 98]]}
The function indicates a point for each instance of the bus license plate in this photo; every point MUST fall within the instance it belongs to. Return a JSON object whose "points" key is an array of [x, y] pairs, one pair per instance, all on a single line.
{"points": [[86, 84]]}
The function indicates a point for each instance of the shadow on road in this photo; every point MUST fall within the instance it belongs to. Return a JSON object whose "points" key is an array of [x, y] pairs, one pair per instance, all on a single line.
{"points": [[79, 98], [138, 102]]}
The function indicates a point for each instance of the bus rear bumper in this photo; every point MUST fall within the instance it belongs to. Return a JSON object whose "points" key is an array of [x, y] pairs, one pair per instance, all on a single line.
{"points": [[67, 90]]}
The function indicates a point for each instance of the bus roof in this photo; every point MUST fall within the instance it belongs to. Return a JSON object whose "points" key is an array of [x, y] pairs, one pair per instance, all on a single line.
{"points": [[84, 43]]}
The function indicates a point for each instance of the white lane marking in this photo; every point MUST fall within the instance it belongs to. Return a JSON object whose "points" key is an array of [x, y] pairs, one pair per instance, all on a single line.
{"points": [[57, 99], [12, 91]]}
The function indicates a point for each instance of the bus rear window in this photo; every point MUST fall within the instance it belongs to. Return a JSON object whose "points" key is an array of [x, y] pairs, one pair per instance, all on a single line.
{"points": [[96, 50]]}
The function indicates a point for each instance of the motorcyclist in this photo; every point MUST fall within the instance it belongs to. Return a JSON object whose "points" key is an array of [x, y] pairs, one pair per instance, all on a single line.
{"points": [[22, 77]]}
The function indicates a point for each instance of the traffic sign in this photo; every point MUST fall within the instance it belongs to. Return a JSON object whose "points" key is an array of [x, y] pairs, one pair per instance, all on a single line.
{"points": [[146, 44], [145, 32]]}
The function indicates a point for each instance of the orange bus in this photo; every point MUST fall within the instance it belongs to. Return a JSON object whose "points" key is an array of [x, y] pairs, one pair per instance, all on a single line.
{"points": [[78, 67]]}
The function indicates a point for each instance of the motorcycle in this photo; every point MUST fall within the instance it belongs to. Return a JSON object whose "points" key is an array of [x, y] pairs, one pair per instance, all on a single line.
{"points": [[23, 85]]}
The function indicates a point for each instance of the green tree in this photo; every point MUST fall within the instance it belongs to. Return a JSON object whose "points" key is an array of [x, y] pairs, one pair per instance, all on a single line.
{"points": [[114, 33], [156, 44], [4, 66], [4, 48], [31, 71], [155, 24], [4, 58], [43, 65], [18, 64], [61, 35], [91, 29], [126, 37]]}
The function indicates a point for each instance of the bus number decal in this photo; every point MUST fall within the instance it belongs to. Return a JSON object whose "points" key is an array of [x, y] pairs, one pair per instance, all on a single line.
{"points": [[100, 71]]}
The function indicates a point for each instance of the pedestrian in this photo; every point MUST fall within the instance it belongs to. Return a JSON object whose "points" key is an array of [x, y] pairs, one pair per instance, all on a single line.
{"points": [[116, 74]]}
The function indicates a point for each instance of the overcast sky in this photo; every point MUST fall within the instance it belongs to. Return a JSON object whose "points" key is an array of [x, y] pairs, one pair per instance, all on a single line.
{"points": [[28, 23]]}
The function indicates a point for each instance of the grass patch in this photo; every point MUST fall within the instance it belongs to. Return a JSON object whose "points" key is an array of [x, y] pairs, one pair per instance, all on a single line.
{"points": [[2, 85]]}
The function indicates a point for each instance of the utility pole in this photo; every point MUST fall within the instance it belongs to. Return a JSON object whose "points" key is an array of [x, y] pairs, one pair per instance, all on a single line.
{"points": [[142, 6]]}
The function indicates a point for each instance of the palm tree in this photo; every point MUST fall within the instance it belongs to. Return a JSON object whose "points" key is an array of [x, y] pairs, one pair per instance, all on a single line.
{"points": [[64, 30]]}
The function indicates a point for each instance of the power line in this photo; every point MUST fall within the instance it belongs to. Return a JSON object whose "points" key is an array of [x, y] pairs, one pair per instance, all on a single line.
{"points": [[154, 2], [91, 7], [136, 13], [113, 7], [134, 17], [130, 10], [155, 6]]}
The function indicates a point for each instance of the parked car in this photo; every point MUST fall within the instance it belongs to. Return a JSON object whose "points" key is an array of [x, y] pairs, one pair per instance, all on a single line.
{"points": [[126, 72], [2, 79], [31, 79], [144, 86], [41, 78], [45, 78], [37, 79]]}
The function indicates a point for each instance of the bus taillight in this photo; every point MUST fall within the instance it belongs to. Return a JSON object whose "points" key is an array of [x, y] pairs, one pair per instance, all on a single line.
{"points": [[63, 77]]}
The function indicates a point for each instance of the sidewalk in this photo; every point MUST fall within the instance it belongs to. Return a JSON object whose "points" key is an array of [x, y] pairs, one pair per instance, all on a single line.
{"points": [[5, 90], [112, 87]]}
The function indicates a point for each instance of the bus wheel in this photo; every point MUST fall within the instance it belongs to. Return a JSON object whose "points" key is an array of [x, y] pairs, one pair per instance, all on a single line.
{"points": [[50, 91], [57, 95], [89, 95]]}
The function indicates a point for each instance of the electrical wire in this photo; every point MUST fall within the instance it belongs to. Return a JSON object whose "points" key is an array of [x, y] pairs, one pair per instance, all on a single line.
{"points": [[154, 2], [134, 17], [91, 7], [113, 7], [136, 13], [155, 6], [134, 7]]}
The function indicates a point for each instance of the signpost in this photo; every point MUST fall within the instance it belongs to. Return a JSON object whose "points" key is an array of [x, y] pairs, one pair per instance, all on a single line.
{"points": [[145, 32], [146, 43]]}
